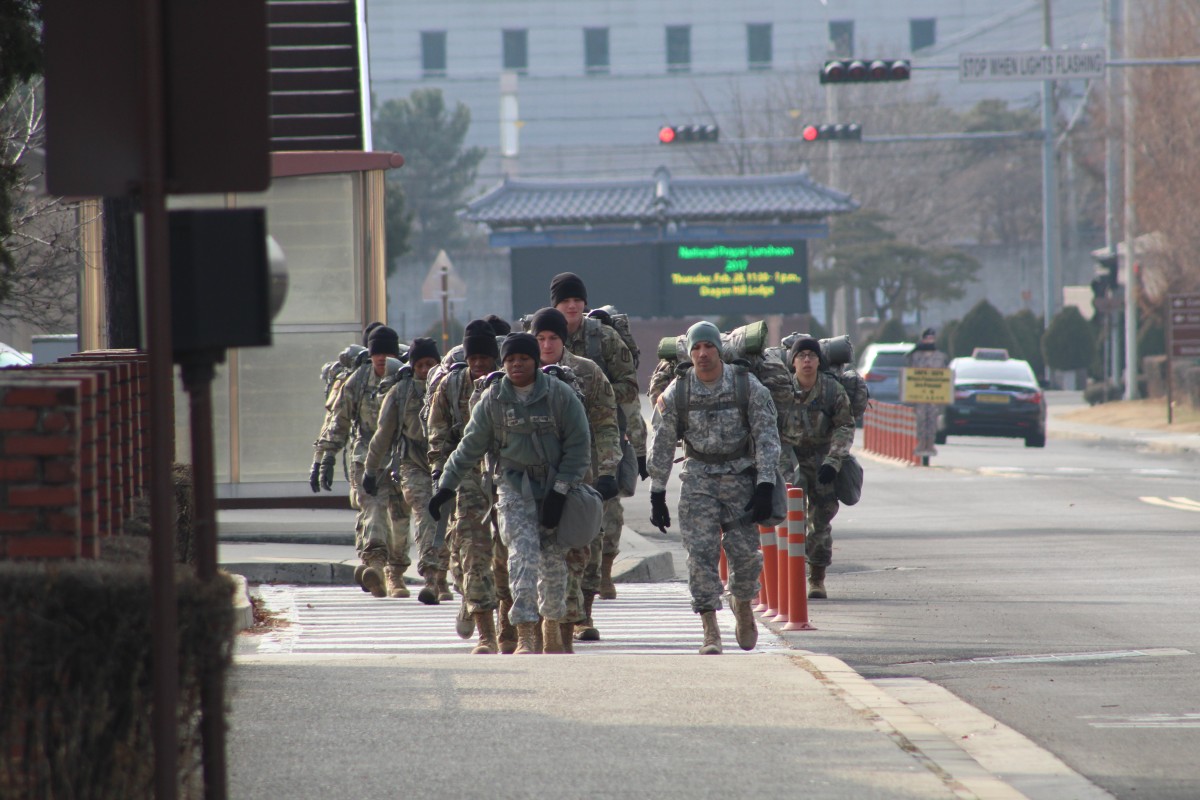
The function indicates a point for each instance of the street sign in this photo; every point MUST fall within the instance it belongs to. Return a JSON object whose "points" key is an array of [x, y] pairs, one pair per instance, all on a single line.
{"points": [[432, 287], [1032, 65], [927, 385], [1183, 325]]}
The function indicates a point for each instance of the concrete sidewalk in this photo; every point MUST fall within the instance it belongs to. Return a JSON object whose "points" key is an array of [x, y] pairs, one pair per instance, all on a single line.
{"points": [[1136, 438]]}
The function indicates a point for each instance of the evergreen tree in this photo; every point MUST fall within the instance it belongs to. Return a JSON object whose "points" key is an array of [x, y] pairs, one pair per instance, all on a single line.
{"points": [[1068, 342], [1027, 330], [891, 331], [983, 326]]}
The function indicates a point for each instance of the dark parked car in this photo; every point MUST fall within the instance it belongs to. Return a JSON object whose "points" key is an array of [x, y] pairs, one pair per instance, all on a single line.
{"points": [[880, 366], [995, 398]]}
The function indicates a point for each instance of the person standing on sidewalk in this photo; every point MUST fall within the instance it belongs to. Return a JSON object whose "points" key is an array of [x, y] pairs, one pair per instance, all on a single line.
{"points": [[590, 338], [727, 422], [381, 528], [549, 326], [819, 428], [469, 533], [926, 354], [537, 430], [398, 452]]}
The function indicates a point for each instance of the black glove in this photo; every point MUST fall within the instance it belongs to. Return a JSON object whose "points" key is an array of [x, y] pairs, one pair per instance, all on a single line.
{"points": [[642, 470], [314, 477], [552, 508], [607, 487], [660, 515], [435, 476], [436, 502], [760, 502], [370, 483], [327, 462], [826, 474]]}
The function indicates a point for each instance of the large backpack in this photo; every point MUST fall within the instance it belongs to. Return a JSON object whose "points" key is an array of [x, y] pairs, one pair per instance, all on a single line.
{"points": [[333, 373], [454, 371], [618, 321]]}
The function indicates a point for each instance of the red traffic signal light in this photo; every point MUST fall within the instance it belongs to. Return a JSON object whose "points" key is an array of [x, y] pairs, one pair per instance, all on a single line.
{"points": [[841, 132], [854, 70], [678, 134]]}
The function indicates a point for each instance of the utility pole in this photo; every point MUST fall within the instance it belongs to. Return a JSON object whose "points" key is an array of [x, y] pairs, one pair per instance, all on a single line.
{"points": [[1111, 183], [1131, 279], [1050, 246]]}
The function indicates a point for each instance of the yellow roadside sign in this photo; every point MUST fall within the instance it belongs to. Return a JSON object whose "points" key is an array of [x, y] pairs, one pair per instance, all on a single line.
{"points": [[927, 385]]}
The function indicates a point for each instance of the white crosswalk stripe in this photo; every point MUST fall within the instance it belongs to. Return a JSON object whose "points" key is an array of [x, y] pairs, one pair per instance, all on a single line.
{"points": [[645, 619]]}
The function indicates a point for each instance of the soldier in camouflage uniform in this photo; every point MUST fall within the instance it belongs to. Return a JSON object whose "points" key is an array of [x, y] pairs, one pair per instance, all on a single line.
{"points": [[926, 354], [592, 339], [728, 426], [549, 326], [381, 528], [532, 423], [819, 430], [399, 452], [469, 533]]}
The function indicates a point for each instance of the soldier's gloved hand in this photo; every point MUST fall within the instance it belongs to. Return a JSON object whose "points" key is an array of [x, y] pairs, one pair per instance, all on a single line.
{"points": [[327, 462], [314, 476], [437, 501], [552, 508], [601, 314], [660, 515], [643, 471], [760, 502], [370, 483], [435, 476], [826, 474], [607, 487]]}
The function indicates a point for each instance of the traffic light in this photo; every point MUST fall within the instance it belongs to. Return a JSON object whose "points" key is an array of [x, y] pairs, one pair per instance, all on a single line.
{"points": [[682, 134], [851, 132], [858, 70], [1105, 282]]}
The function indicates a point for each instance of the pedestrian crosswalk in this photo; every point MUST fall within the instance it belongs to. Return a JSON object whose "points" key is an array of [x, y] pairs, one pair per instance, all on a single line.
{"points": [[1178, 503], [645, 619]]}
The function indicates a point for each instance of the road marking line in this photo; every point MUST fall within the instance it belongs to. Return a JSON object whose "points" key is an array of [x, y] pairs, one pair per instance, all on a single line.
{"points": [[1172, 721], [1047, 658], [1189, 505], [1187, 501]]}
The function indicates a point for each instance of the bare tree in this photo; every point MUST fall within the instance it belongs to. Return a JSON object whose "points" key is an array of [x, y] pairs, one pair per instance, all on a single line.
{"points": [[39, 285]]}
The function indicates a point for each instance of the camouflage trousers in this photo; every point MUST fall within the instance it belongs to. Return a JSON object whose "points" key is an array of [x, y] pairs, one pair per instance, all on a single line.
{"points": [[927, 414], [383, 520], [610, 526], [579, 570], [536, 567], [709, 507], [417, 486], [471, 545], [822, 506]]}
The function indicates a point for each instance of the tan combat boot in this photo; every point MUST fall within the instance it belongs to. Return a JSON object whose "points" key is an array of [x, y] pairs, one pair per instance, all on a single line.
{"points": [[747, 627], [551, 636], [372, 577], [816, 583], [712, 634], [394, 579], [608, 590], [429, 592], [526, 639], [464, 622], [586, 631], [508, 632], [358, 573], [487, 634], [565, 629], [443, 586]]}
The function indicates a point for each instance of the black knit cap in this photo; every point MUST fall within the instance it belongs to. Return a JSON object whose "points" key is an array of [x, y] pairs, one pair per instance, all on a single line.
{"points": [[549, 319], [566, 285], [802, 344], [520, 343], [383, 341], [500, 326], [423, 347], [367, 330], [479, 339]]}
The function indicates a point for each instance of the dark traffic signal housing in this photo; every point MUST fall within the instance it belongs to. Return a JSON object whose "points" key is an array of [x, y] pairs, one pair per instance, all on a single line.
{"points": [[682, 134], [1105, 282], [861, 70], [849, 132]]}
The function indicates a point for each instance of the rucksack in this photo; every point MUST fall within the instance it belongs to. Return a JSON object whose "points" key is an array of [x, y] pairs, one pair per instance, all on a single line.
{"points": [[619, 322], [442, 372], [336, 371]]}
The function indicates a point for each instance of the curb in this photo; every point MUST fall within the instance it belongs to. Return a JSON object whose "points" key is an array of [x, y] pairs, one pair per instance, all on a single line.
{"points": [[243, 611]]}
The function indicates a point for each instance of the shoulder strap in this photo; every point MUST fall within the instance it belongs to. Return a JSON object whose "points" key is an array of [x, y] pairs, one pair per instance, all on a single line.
{"points": [[683, 396], [594, 339]]}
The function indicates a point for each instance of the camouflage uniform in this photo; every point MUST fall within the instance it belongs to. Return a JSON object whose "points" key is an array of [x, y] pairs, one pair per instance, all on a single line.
{"points": [[818, 429], [381, 528], [470, 533], [400, 446], [504, 424], [926, 413], [617, 363], [726, 458]]}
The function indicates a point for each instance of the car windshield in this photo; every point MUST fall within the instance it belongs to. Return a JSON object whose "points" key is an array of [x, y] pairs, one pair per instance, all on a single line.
{"points": [[888, 360], [1011, 371]]}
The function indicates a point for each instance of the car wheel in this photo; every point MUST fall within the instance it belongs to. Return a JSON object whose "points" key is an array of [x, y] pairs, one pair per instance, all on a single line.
{"points": [[1037, 440]]}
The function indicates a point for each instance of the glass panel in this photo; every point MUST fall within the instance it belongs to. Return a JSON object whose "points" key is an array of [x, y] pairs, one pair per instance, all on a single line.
{"points": [[922, 33], [679, 48], [841, 38], [516, 50], [595, 50], [758, 45], [433, 53]]}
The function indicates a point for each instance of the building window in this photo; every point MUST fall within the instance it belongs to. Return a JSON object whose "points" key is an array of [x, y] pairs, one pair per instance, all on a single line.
{"points": [[921, 33], [679, 48], [841, 38], [516, 50], [595, 51], [758, 45], [433, 53]]}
